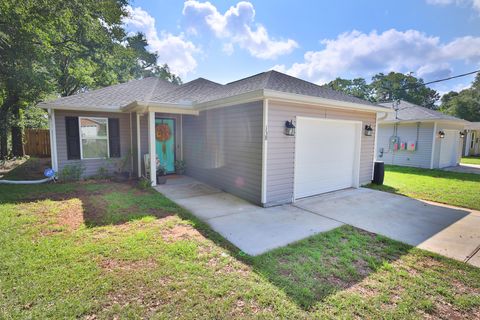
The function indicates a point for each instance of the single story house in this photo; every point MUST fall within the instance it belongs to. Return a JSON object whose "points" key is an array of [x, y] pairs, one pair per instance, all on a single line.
{"points": [[471, 143], [419, 137], [269, 138]]}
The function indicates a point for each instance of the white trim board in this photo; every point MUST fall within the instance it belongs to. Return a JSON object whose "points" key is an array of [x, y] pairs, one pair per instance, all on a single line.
{"points": [[53, 139], [264, 151]]}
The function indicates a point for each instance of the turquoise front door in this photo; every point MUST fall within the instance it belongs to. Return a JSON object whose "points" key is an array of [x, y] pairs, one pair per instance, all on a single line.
{"points": [[165, 143]]}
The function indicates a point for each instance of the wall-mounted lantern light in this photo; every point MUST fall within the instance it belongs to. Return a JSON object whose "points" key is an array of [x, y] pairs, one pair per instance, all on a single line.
{"points": [[462, 134], [441, 134], [368, 130], [289, 128]]}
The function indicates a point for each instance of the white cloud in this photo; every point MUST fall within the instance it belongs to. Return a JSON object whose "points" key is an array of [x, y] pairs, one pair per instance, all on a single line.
{"points": [[354, 54], [236, 26], [174, 50], [475, 4]]}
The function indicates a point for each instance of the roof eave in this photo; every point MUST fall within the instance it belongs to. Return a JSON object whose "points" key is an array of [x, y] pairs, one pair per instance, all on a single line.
{"points": [[46, 105], [163, 107], [298, 98], [459, 121]]}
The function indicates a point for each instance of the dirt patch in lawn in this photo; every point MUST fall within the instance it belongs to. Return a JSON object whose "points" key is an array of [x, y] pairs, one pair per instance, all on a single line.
{"points": [[180, 232], [114, 265]]}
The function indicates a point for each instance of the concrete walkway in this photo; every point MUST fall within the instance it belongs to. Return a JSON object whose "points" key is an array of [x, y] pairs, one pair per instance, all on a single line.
{"points": [[253, 229], [450, 231], [465, 168]]}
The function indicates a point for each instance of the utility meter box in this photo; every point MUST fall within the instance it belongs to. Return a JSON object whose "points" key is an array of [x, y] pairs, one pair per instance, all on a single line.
{"points": [[412, 145], [394, 140]]}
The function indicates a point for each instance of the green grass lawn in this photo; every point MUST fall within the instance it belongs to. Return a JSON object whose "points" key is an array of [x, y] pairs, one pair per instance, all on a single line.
{"points": [[454, 188], [103, 250], [471, 160]]}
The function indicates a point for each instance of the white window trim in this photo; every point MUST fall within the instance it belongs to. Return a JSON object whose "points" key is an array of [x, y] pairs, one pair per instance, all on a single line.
{"points": [[80, 136]]}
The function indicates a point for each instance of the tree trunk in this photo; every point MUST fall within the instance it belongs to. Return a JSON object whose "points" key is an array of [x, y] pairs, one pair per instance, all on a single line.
{"points": [[4, 125], [18, 149], [3, 135]]}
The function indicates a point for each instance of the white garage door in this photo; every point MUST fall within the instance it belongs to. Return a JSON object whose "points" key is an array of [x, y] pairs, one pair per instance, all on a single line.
{"points": [[449, 149], [327, 155]]}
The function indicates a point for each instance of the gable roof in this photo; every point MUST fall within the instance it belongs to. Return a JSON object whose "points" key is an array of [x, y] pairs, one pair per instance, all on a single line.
{"points": [[153, 91], [411, 112], [116, 96]]}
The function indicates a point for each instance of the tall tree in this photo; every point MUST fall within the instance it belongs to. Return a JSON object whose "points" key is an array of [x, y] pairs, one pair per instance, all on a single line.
{"points": [[399, 86], [32, 33], [464, 104], [357, 87]]}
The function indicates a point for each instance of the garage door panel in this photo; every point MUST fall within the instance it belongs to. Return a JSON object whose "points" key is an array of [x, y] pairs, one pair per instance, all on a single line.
{"points": [[325, 156]]}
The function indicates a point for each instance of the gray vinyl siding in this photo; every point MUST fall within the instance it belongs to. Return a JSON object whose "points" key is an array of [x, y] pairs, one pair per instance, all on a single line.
{"points": [[406, 132], [144, 134], [223, 147], [91, 165], [438, 141], [281, 148]]}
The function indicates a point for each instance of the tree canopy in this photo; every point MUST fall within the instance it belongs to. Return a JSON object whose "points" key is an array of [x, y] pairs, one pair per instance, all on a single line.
{"points": [[56, 47], [389, 87], [464, 104]]}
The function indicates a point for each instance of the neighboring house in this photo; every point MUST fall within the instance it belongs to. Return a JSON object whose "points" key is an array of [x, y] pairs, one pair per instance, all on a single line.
{"points": [[471, 144], [231, 136], [419, 137]]}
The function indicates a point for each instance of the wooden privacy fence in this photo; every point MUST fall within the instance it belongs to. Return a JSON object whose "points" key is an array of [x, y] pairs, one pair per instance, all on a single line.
{"points": [[37, 142]]}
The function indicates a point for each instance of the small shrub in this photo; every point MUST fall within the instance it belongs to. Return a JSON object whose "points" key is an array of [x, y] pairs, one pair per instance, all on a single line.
{"points": [[72, 172], [180, 166], [144, 184], [102, 173]]}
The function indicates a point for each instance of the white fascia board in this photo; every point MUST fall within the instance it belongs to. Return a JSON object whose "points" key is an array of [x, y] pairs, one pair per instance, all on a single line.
{"points": [[141, 106], [440, 121], [77, 108], [330, 103]]}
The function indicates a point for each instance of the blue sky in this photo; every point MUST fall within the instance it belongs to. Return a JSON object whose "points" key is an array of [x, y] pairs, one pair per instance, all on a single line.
{"points": [[314, 40]]}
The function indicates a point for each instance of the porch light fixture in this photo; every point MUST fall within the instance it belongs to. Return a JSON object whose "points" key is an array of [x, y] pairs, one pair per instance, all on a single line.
{"points": [[289, 128], [368, 130], [441, 134], [462, 134]]}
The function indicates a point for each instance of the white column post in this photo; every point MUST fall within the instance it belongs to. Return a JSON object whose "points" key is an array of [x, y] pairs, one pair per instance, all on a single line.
{"points": [[151, 148], [139, 147], [53, 139]]}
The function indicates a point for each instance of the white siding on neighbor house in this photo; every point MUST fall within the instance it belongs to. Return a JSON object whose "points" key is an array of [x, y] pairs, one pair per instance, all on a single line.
{"points": [[281, 148], [438, 141], [406, 132], [91, 165], [223, 147], [144, 134]]}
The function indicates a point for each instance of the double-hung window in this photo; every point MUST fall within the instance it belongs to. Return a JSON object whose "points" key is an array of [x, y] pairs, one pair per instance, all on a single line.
{"points": [[94, 138]]}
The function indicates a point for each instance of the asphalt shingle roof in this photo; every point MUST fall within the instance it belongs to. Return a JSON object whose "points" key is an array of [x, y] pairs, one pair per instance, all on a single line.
{"points": [[408, 112], [119, 95], [197, 91]]}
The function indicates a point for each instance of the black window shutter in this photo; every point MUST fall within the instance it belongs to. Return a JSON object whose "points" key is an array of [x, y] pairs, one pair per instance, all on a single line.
{"points": [[114, 137], [73, 138]]}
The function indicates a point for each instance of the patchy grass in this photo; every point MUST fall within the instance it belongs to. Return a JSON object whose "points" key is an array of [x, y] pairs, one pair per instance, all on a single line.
{"points": [[102, 250], [471, 160], [27, 168], [454, 188]]}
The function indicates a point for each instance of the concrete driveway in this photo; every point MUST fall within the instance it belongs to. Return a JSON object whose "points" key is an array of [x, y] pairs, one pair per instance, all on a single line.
{"points": [[453, 232], [465, 168], [253, 229], [450, 231]]}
